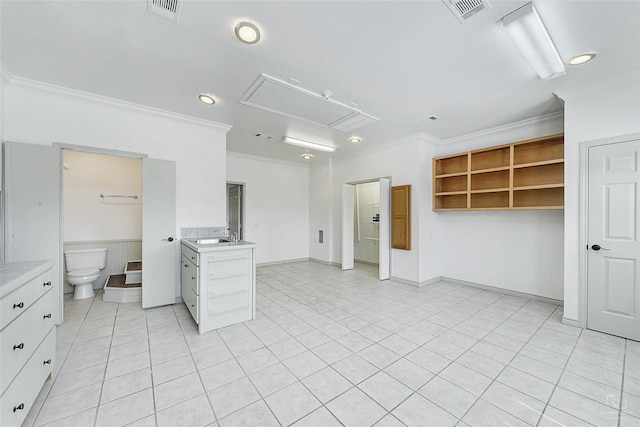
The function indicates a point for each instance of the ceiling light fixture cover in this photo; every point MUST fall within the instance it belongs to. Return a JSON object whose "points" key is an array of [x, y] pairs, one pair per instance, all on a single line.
{"points": [[354, 140], [581, 58], [247, 32], [206, 99], [307, 156], [306, 144], [531, 36]]}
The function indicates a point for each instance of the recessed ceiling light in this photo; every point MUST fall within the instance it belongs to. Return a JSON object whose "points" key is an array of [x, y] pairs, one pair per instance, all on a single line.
{"points": [[247, 32], [354, 139], [307, 156], [206, 99], [582, 58]]}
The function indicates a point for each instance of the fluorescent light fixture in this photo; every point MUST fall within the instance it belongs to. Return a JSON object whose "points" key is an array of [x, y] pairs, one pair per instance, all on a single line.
{"points": [[531, 36], [306, 144], [206, 99], [247, 32]]}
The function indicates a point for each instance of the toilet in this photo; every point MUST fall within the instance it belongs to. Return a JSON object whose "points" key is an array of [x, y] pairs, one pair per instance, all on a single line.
{"points": [[83, 268]]}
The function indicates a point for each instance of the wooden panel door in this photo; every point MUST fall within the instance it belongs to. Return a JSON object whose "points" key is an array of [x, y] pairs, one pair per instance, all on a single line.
{"points": [[401, 217], [613, 260]]}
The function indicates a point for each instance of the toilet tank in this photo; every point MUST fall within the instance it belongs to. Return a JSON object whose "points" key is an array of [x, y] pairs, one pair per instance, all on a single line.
{"points": [[85, 258]]}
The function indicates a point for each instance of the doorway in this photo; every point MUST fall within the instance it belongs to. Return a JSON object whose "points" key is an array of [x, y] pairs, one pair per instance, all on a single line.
{"points": [[613, 245], [366, 225], [235, 209]]}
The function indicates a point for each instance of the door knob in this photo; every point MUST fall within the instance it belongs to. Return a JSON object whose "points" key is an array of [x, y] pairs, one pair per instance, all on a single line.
{"points": [[170, 239], [598, 247]]}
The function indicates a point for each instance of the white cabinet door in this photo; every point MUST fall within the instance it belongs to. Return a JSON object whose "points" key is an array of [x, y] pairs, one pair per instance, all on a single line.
{"points": [[32, 208], [158, 232], [613, 283]]}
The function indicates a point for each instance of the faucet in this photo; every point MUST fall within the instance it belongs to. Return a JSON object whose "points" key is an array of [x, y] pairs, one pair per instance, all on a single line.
{"points": [[233, 237]]}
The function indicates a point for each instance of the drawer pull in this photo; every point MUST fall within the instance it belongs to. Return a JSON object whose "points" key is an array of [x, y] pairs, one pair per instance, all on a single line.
{"points": [[46, 284], [19, 407], [19, 346], [186, 265], [19, 305], [193, 278], [47, 316], [47, 362], [193, 257]]}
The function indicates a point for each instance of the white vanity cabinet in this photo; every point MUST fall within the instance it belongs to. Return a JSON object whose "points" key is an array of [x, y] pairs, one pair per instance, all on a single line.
{"points": [[219, 283], [28, 309]]}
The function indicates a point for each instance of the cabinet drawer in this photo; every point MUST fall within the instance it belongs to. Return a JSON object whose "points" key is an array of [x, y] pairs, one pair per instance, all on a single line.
{"points": [[21, 338], [189, 276], [226, 263], [191, 255], [17, 302], [25, 388], [191, 301]]}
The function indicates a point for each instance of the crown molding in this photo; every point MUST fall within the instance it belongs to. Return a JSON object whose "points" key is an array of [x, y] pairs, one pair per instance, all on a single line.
{"points": [[266, 159], [495, 131], [5, 76], [394, 143], [632, 76], [91, 98]]}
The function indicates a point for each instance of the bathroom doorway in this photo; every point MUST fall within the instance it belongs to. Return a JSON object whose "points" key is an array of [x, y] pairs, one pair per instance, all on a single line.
{"points": [[102, 207], [366, 226], [235, 209]]}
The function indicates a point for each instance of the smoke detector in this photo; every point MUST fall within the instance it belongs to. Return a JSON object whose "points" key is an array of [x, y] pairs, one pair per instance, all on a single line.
{"points": [[167, 9], [465, 9]]}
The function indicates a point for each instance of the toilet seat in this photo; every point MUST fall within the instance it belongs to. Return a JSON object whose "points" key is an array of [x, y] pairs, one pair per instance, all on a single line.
{"points": [[84, 272]]}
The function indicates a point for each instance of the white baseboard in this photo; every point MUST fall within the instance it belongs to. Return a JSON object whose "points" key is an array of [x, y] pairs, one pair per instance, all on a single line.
{"points": [[572, 322], [416, 284], [503, 291], [286, 261]]}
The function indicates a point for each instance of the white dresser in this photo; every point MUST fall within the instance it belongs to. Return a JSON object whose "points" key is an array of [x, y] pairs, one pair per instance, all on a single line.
{"points": [[28, 309], [219, 283]]}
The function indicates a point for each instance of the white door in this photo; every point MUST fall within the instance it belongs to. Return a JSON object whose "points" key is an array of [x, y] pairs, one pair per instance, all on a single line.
{"points": [[158, 228], [613, 260], [385, 231], [234, 209], [348, 211], [32, 207]]}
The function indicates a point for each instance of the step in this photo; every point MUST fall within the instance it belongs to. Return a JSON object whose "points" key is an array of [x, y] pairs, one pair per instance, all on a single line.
{"points": [[117, 290], [133, 272]]}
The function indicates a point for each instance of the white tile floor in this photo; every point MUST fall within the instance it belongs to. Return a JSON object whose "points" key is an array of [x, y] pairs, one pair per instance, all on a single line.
{"points": [[340, 348]]}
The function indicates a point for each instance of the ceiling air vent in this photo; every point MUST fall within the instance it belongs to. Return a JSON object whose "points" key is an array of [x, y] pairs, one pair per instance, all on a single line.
{"points": [[464, 9], [167, 9]]}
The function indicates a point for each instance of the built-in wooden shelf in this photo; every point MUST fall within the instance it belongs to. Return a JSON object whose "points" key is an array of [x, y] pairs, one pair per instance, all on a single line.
{"points": [[521, 175]]}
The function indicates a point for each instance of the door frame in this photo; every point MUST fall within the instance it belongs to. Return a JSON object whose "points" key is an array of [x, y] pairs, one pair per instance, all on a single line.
{"points": [[243, 213], [60, 146], [350, 244], [583, 219]]}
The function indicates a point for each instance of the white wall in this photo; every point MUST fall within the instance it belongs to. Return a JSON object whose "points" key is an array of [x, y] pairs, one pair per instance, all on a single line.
{"points": [[398, 160], [89, 217], [519, 251], [276, 206], [41, 114], [320, 209], [368, 204], [605, 109]]}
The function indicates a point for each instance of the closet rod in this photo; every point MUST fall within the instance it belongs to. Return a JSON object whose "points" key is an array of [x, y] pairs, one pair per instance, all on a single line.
{"points": [[133, 196]]}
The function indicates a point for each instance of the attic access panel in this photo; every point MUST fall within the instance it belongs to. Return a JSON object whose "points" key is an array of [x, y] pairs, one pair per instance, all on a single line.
{"points": [[279, 97]]}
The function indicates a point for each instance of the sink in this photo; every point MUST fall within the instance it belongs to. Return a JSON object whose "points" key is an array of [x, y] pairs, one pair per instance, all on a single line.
{"points": [[208, 241]]}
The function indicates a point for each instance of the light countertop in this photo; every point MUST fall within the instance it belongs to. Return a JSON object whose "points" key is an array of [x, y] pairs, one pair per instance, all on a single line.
{"points": [[222, 246], [14, 274]]}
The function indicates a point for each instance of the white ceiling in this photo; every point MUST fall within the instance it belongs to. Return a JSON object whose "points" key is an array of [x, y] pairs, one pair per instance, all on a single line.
{"points": [[399, 61]]}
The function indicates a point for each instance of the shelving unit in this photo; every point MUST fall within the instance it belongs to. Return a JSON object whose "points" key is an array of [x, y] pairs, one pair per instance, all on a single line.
{"points": [[521, 175]]}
